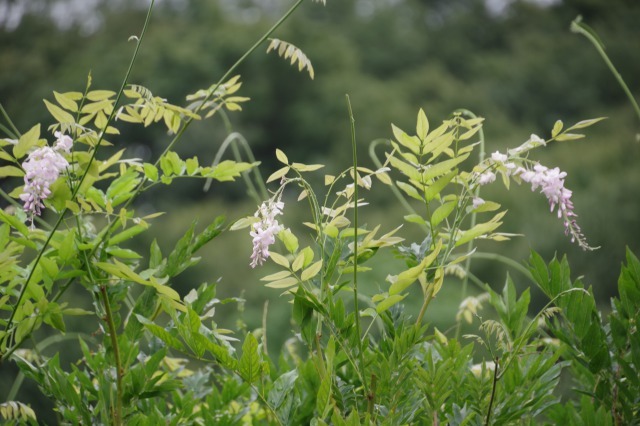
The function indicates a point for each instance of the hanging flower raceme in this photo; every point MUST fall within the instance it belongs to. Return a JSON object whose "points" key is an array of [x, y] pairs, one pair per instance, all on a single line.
{"points": [[264, 231], [42, 168], [551, 184]]}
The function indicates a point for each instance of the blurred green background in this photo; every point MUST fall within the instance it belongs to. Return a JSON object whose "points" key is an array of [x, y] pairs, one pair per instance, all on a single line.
{"points": [[513, 62]]}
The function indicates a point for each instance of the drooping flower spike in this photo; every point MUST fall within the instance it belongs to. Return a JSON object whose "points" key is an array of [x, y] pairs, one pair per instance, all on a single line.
{"points": [[42, 168], [264, 231]]}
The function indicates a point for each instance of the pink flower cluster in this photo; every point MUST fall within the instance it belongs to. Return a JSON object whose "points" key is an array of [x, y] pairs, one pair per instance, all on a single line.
{"points": [[42, 168], [264, 232], [551, 184]]}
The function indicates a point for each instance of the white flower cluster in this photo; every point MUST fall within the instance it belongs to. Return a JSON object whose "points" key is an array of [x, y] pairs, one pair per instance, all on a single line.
{"points": [[264, 232], [42, 168]]}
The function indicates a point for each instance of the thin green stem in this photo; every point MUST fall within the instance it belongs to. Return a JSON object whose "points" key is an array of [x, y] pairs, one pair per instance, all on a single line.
{"points": [[578, 27], [352, 123], [16, 133], [467, 265], [427, 299], [117, 420], [260, 193], [493, 392], [226, 75], [507, 261], [8, 132]]}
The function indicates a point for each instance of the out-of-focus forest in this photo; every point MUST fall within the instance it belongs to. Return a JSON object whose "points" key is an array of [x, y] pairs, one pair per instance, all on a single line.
{"points": [[513, 62]]}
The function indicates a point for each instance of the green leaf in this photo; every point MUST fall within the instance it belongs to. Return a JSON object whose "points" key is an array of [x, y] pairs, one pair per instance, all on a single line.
{"points": [[161, 333], [214, 229], [442, 168], [298, 262], [442, 212], [388, 302], [290, 240], [58, 113], [26, 142], [406, 278], [422, 127], [282, 387], [308, 256], [410, 190], [487, 206], [283, 283], [311, 271], [278, 174], [480, 229], [568, 137], [435, 188], [99, 95], [66, 102], [324, 396], [586, 123], [306, 167], [127, 234], [279, 259], [414, 218], [6, 171], [249, 364], [405, 168], [228, 170], [405, 140], [121, 270], [277, 276], [150, 172], [557, 128], [282, 157]]}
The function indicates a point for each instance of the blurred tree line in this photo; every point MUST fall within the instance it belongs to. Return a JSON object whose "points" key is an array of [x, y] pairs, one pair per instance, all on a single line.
{"points": [[517, 65]]}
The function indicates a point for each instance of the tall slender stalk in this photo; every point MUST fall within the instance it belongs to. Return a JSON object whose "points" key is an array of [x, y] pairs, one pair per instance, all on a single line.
{"points": [[467, 264], [577, 26], [117, 420], [494, 385], [352, 123], [13, 132]]}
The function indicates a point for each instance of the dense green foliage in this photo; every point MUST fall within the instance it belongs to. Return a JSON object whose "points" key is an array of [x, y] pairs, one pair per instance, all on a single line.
{"points": [[149, 333]]}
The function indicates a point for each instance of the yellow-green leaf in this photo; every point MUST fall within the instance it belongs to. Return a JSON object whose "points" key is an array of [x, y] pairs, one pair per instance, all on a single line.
{"points": [[569, 137], [586, 123], [298, 262], [281, 156], [66, 102], [311, 271], [283, 283], [6, 171], [279, 259], [277, 276], [98, 95], [26, 142], [442, 212], [557, 128], [422, 127], [406, 278], [278, 174], [58, 113], [389, 302]]}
